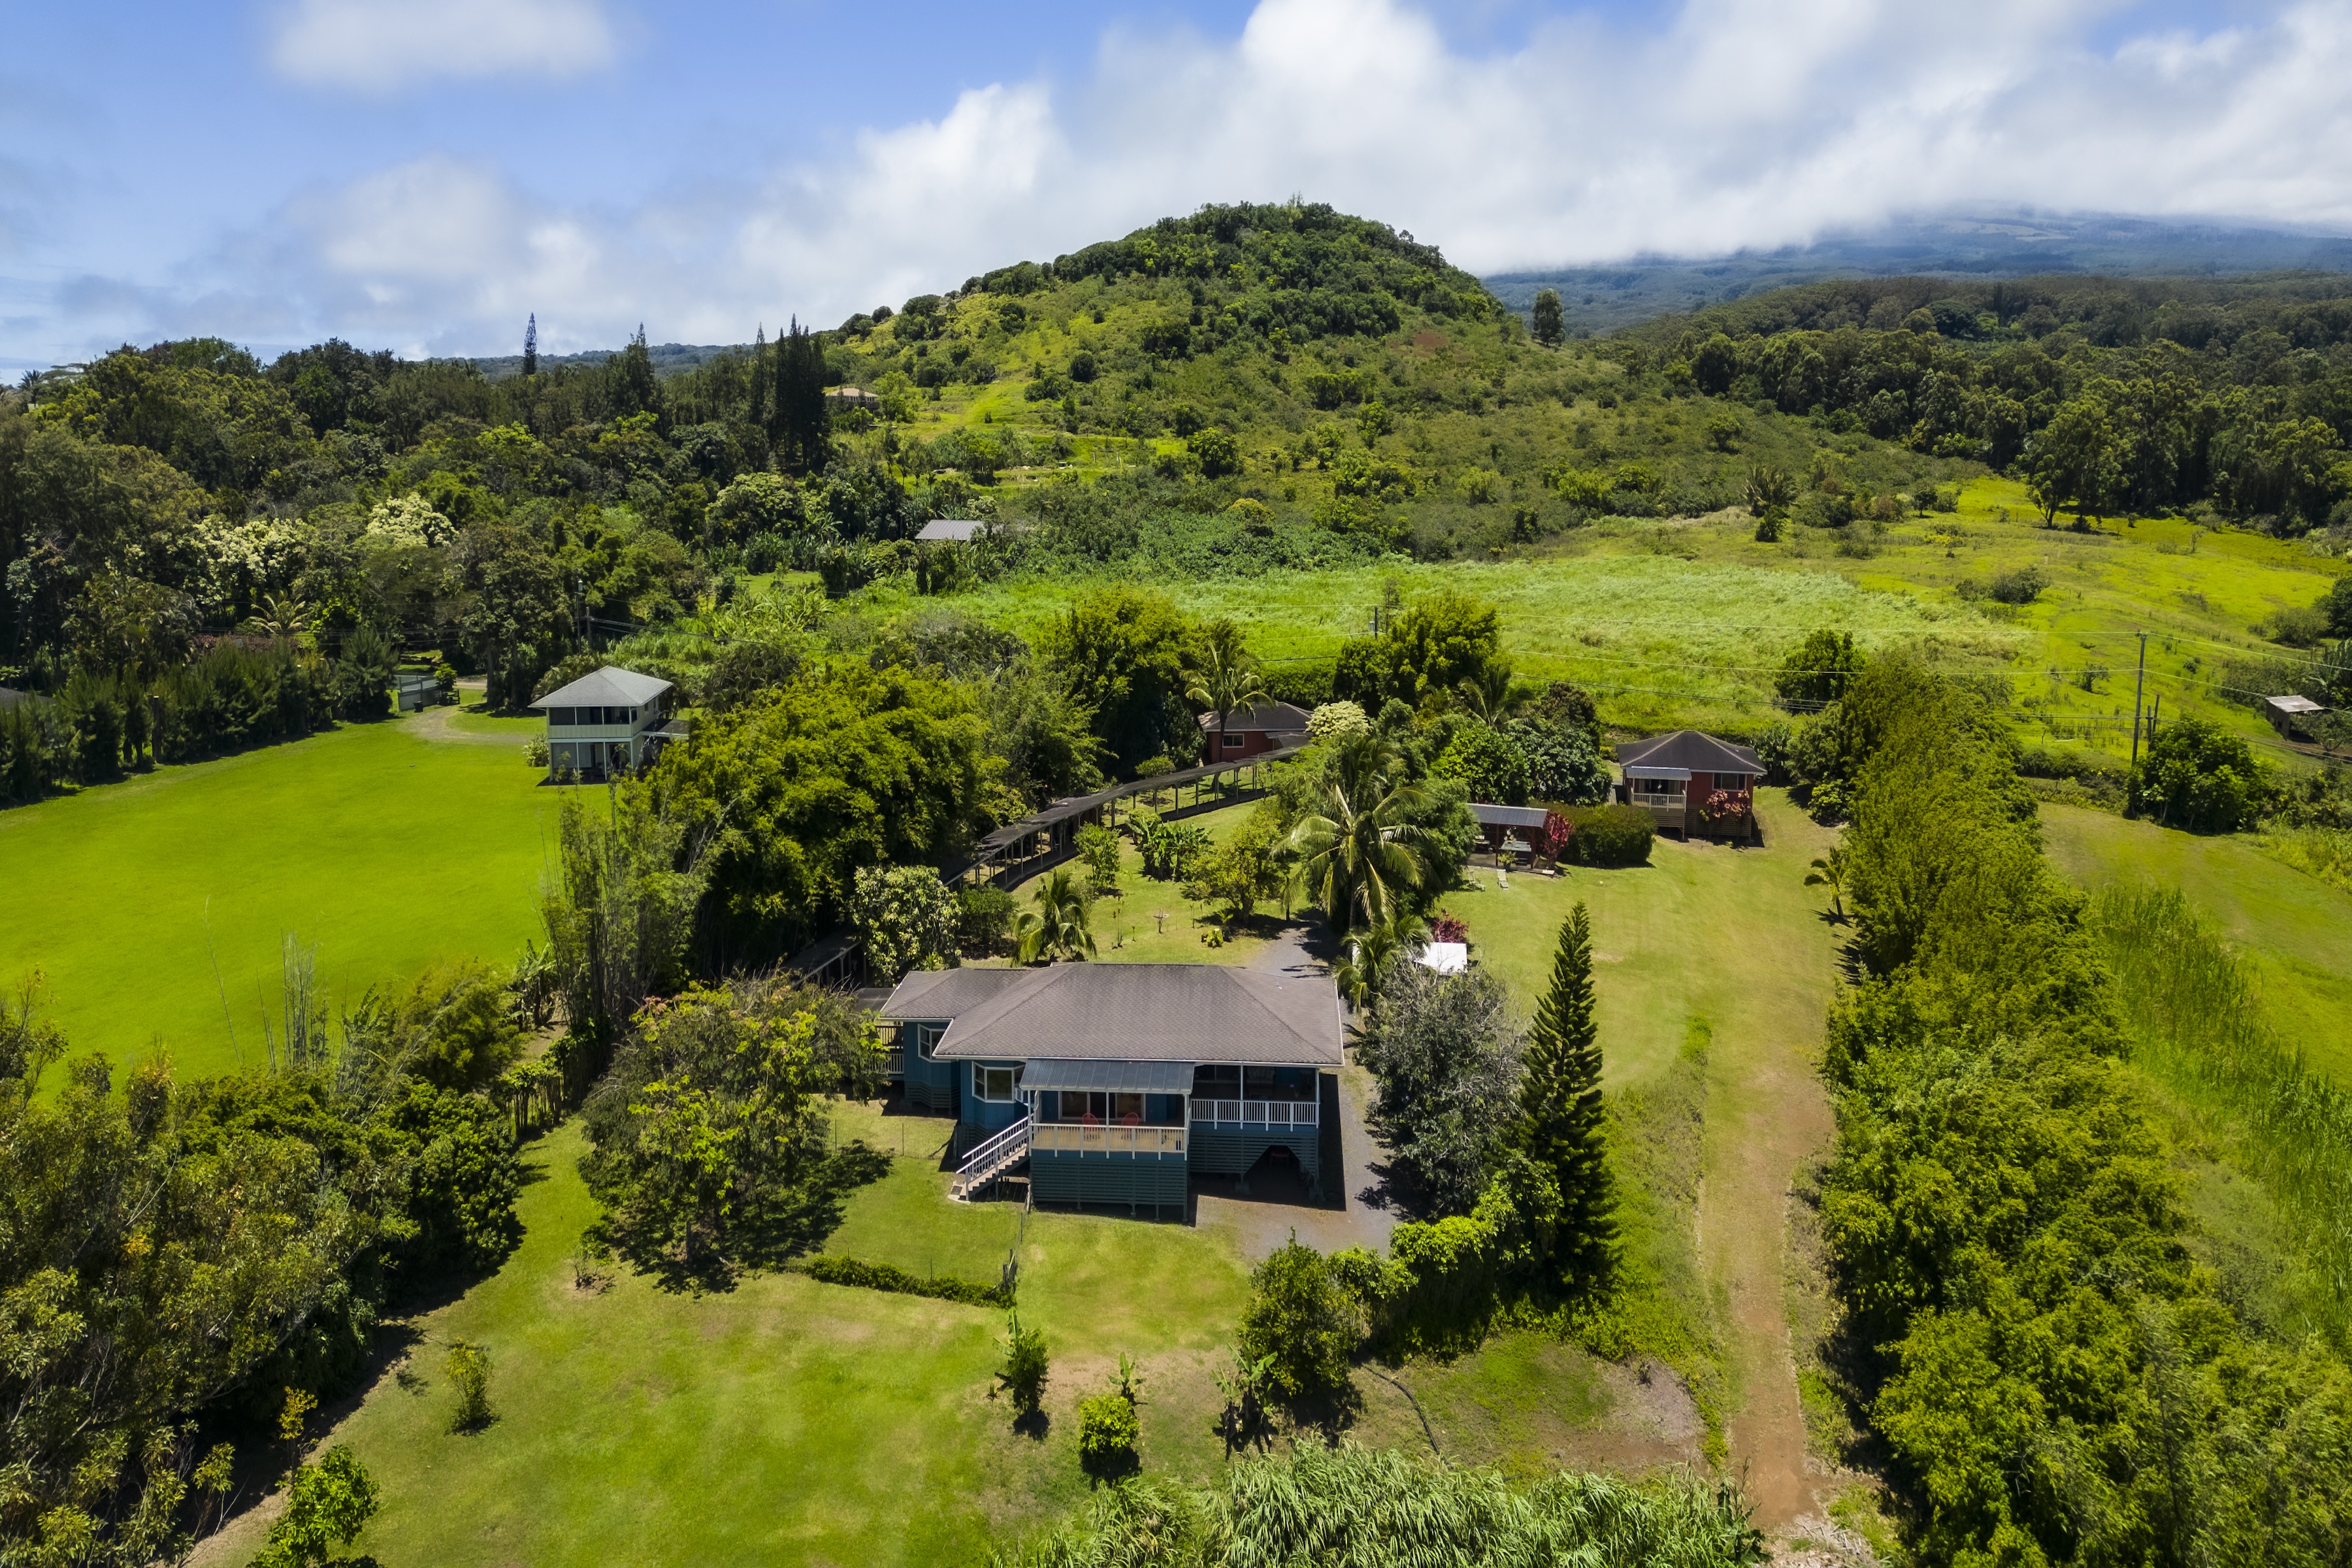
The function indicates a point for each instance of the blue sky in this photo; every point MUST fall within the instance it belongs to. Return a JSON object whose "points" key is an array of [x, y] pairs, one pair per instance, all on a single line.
{"points": [[421, 175]]}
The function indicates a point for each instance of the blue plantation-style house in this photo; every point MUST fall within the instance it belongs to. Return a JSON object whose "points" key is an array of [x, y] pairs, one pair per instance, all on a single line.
{"points": [[1116, 1083]]}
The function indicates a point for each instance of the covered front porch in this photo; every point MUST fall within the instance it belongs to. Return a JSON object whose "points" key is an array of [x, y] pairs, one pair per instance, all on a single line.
{"points": [[1131, 1134]]}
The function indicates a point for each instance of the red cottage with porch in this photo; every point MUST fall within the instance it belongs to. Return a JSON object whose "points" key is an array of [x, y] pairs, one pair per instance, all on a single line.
{"points": [[1675, 776]]}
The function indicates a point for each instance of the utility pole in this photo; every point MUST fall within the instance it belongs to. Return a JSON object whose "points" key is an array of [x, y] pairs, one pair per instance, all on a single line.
{"points": [[2139, 683]]}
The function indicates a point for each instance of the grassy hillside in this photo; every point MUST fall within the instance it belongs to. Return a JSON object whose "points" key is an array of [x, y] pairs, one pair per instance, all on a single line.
{"points": [[1372, 393], [2295, 930]]}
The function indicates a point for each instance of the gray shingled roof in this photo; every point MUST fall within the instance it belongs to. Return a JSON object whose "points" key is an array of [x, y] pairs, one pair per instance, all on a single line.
{"points": [[1282, 718], [1689, 750], [935, 994], [950, 528], [1127, 1011], [610, 687]]}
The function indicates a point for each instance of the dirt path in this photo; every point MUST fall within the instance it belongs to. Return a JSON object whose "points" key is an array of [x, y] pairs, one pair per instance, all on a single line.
{"points": [[1767, 1115], [439, 723]]}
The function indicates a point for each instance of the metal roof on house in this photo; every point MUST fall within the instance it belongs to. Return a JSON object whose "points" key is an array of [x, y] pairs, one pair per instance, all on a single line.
{"points": [[2296, 703], [10, 697], [1108, 1077], [1281, 718], [944, 529], [1127, 1011], [1490, 816], [1689, 751], [610, 687]]}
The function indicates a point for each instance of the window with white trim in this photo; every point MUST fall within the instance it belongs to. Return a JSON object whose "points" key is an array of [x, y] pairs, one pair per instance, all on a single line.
{"points": [[926, 1039], [994, 1085]]}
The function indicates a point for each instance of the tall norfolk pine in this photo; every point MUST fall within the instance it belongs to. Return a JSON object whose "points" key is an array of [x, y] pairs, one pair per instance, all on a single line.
{"points": [[1560, 1102]]}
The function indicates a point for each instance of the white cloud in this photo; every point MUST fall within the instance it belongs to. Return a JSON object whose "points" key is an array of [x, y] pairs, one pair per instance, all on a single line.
{"points": [[1745, 123], [381, 45]]}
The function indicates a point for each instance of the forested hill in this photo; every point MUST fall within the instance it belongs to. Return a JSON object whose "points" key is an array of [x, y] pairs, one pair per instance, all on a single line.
{"points": [[1977, 245], [1245, 388], [2232, 396]]}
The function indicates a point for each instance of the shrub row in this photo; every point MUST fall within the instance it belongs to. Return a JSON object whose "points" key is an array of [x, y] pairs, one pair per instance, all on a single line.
{"points": [[884, 1277], [2054, 1378], [1607, 835], [96, 725]]}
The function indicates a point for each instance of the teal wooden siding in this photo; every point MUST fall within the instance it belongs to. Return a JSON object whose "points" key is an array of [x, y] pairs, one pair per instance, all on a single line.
{"points": [[1150, 1180], [1232, 1150], [931, 1085]]}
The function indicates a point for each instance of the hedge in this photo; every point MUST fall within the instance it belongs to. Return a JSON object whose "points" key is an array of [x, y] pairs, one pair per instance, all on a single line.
{"points": [[1608, 835], [884, 1277]]}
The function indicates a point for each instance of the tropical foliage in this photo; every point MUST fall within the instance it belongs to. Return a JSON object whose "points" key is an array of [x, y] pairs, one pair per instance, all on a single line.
{"points": [[180, 1255], [1061, 926], [1567, 1196], [1445, 1054], [2054, 1378], [708, 1150], [1381, 1509]]}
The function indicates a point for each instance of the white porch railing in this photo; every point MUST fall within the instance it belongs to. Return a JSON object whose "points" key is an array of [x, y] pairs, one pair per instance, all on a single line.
{"points": [[1078, 1138], [1281, 1115], [991, 1160]]}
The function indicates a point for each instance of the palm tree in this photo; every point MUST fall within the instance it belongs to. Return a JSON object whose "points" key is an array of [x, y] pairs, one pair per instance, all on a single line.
{"points": [[281, 620], [1059, 926], [1488, 694], [1829, 871], [1369, 949], [1228, 678], [1358, 851]]}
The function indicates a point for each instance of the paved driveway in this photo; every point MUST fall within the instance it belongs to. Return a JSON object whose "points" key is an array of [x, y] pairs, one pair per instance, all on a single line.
{"points": [[1277, 1203]]}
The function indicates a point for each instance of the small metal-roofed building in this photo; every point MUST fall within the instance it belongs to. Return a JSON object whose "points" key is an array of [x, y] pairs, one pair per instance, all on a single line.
{"points": [[950, 531], [1115, 1083], [1670, 776], [2291, 715], [1498, 825], [853, 397], [610, 721], [1247, 731]]}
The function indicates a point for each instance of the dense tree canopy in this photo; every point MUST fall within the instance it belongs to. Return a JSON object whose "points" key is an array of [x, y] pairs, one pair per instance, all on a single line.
{"points": [[174, 1256], [841, 767], [2053, 1375]]}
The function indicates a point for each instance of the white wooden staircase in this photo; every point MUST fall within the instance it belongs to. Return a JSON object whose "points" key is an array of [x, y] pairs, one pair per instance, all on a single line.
{"points": [[991, 1161]]}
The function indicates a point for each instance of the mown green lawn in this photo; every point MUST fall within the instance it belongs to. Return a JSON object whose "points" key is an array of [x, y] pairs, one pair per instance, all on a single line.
{"points": [[1704, 930], [785, 1421], [155, 909], [2296, 929], [1153, 923]]}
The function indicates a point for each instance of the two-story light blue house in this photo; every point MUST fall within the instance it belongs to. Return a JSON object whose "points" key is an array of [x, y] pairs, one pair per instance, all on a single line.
{"points": [[1114, 1083], [609, 721]]}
